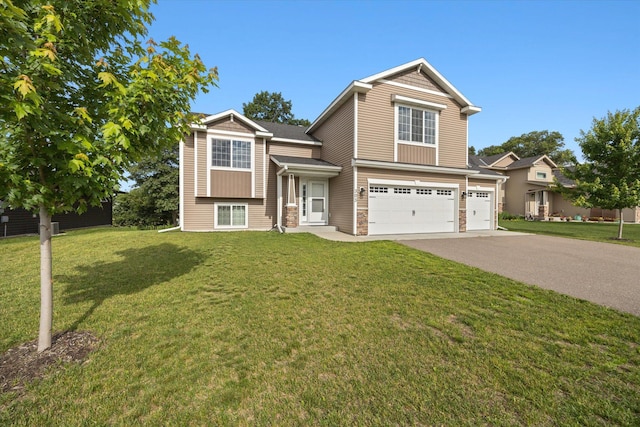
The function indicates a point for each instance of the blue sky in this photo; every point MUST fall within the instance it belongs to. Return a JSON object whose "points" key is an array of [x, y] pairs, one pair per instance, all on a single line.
{"points": [[530, 65]]}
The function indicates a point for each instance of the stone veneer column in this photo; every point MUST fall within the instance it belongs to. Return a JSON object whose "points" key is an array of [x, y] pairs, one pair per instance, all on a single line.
{"points": [[291, 217], [543, 212], [363, 223], [462, 221]]}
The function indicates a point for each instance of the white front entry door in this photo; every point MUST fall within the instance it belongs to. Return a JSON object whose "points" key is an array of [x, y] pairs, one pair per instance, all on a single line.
{"points": [[317, 202]]}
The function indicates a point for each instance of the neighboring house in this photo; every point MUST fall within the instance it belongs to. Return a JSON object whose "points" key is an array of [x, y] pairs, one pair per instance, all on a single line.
{"points": [[21, 221], [387, 156], [529, 192]]}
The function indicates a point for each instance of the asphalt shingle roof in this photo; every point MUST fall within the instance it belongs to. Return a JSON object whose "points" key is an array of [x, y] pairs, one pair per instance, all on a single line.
{"points": [[281, 130], [301, 161]]}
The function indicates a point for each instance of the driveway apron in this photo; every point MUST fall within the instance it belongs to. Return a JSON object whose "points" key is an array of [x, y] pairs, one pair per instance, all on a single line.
{"points": [[603, 273]]}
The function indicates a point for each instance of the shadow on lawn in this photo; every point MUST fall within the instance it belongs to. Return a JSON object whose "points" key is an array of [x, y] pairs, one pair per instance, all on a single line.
{"points": [[138, 270]]}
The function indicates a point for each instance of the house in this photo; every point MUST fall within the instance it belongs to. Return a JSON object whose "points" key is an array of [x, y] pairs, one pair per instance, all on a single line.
{"points": [[20, 221], [387, 156], [529, 192]]}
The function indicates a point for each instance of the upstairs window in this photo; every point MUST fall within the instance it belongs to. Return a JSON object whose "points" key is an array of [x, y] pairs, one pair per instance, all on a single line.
{"points": [[417, 125], [541, 175], [232, 154]]}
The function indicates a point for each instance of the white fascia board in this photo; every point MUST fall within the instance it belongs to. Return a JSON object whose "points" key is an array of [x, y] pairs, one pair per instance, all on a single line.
{"points": [[470, 110], [502, 178], [355, 87], [234, 113], [412, 101], [375, 164], [295, 141]]}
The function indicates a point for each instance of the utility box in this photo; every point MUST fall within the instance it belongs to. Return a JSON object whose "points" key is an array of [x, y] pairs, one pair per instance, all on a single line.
{"points": [[55, 228]]}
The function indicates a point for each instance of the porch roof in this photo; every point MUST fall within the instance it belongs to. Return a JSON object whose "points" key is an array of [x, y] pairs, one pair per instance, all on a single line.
{"points": [[303, 166]]}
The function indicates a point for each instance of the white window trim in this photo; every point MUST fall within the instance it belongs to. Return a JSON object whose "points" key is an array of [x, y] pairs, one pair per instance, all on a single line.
{"points": [[221, 227], [252, 149], [398, 141]]}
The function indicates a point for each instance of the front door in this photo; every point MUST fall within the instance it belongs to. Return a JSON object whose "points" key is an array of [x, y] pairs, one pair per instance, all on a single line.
{"points": [[317, 202]]}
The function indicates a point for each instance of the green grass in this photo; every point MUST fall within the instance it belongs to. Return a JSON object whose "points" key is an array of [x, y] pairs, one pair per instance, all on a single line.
{"points": [[599, 232], [257, 328]]}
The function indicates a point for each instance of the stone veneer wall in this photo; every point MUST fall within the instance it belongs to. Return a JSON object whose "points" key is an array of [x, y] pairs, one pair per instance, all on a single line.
{"points": [[291, 217], [363, 222], [462, 220]]}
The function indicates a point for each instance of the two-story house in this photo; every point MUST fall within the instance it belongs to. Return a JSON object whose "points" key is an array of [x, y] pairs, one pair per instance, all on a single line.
{"points": [[529, 192], [387, 156]]}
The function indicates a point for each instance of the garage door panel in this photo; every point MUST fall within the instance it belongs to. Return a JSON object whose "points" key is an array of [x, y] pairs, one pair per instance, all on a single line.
{"points": [[411, 210], [479, 210]]}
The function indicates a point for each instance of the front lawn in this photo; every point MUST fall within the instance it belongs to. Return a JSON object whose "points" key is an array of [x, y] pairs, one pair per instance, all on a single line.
{"points": [[257, 328], [599, 232]]}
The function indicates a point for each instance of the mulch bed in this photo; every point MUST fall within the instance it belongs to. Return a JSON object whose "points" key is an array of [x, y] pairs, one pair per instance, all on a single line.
{"points": [[23, 364]]}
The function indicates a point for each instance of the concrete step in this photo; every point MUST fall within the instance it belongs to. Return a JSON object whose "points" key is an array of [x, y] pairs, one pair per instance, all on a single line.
{"points": [[310, 228]]}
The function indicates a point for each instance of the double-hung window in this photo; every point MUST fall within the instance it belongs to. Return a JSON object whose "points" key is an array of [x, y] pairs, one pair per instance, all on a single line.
{"points": [[226, 153], [417, 125], [231, 216]]}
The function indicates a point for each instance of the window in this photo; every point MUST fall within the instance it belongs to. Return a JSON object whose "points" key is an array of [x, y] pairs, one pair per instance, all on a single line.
{"points": [[378, 189], [415, 125], [444, 192], [541, 175], [231, 154], [423, 191], [402, 190], [231, 216]]}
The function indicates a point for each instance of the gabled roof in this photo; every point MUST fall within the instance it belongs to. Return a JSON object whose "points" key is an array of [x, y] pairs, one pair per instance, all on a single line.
{"points": [[277, 132], [491, 160], [477, 164], [366, 84], [527, 162], [233, 114], [428, 69]]}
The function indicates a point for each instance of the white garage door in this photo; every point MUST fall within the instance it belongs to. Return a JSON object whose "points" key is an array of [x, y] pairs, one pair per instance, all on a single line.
{"points": [[403, 210], [479, 208]]}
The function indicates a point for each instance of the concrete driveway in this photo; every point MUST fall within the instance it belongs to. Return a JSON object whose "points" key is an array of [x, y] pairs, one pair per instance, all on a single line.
{"points": [[603, 273]]}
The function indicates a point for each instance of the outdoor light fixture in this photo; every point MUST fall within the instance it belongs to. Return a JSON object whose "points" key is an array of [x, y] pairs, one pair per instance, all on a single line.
{"points": [[362, 190], [464, 194]]}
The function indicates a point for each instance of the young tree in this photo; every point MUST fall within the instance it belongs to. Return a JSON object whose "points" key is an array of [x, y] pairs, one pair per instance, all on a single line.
{"points": [[80, 99], [534, 143], [610, 175], [272, 107], [156, 196]]}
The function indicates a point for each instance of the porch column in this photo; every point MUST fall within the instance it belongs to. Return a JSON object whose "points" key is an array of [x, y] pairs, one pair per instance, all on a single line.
{"points": [[291, 216]]}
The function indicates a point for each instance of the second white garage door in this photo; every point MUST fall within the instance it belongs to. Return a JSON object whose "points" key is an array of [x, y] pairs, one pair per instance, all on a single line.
{"points": [[479, 209], [403, 210]]}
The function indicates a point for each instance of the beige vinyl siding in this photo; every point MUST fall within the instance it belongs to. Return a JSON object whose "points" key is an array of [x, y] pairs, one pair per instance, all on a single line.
{"points": [[337, 136], [230, 183], [564, 207], [415, 154], [516, 188], [295, 150], [414, 78], [259, 159], [232, 126], [376, 126], [198, 213], [504, 162], [540, 167], [201, 159]]}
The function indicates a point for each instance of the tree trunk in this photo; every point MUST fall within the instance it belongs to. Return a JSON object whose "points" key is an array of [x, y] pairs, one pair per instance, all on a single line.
{"points": [[46, 281], [620, 214]]}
